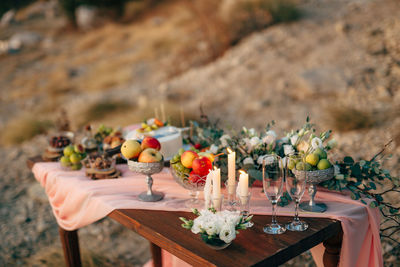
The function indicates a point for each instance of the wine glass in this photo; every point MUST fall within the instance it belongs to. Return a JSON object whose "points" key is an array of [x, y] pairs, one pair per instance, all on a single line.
{"points": [[296, 185], [273, 179]]}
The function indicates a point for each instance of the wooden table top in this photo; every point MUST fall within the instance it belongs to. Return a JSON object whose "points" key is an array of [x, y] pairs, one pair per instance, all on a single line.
{"points": [[252, 247]]}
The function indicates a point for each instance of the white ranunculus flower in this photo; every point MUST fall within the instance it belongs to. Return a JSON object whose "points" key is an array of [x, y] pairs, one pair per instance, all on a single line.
{"points": [[288, 149], [248, 160], [294, 139], [227, 234], [252, 132], [246, 142], [213, 149], [269, 138], [269, 159], [211, 226], [254, 141], [224, 140], [316, 143], [196, 228]]}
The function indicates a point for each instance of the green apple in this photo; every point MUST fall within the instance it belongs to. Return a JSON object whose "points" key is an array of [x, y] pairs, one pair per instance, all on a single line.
{"points": [[291, 164], [323, 164], [68, 150], [65, 161], [301, 166], [321, 153], [312, 159], [75, 158], [76, 167]]}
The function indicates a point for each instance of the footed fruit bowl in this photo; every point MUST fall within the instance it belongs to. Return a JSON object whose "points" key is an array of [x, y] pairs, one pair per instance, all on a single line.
{"points": [[148, 169], [314, 178], [192, 182]]}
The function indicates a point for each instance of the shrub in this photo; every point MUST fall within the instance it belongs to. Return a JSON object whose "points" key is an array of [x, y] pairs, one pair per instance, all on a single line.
{"points": [[349, 118]]}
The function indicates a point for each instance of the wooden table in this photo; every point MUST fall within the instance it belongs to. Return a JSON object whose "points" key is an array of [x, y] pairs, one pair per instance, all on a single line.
{"points": [[252, 247]]}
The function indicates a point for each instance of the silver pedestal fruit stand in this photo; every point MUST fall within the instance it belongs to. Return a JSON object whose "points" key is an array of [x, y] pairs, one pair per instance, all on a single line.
{"points": [[148, 169], [314, 178]]}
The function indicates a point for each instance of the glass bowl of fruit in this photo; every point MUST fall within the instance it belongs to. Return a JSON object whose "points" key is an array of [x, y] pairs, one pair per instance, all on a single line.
{"points": [[102, 164], [315, 168], [72, 158], [190, 169]]}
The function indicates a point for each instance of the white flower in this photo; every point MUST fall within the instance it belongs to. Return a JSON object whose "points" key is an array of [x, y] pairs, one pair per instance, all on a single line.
{"points": [[252, 132], [316, 143], [254, 141], [332, 143], [337, 169], [288, 149], [269, 159], [294, 139], [211, 226], [224, 140], [248, 160], [213, 149], [228, 233], [269, 138], [196, 228]]}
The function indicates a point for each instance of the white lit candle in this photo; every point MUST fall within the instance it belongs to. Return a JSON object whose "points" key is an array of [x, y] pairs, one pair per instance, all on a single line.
{"points": [[216, 183], [231, 171], [243, 183]]}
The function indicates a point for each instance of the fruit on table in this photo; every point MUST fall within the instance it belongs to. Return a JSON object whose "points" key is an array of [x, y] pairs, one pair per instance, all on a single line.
{"points": [[75, 158], [208, 155], [150, 155], [69, 150], [321, 153], [303, 166], [59, 141], [131, 149], [79, 148], [150, 142], [201, 166], [65, 161], [188, 157], [101, 162], [291, 163], [312, 159], [324, 164], [76, 167]]}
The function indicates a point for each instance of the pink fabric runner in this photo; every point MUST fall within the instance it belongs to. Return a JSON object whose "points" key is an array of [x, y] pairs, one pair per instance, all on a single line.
{"points": [[78, 201]]}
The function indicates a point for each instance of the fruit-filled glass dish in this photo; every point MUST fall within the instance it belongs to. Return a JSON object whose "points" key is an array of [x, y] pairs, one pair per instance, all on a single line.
{"points": [[102, 164], [192, 182]]}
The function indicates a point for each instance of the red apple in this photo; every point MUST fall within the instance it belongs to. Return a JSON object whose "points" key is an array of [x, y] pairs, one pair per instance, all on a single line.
{"points": [[188, 157], [197, 146], [202, 166], [150, 155], [150, 142], [197, 179]]}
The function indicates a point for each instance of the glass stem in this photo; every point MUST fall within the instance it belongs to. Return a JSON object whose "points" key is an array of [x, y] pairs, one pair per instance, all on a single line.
{"points": [[274, 212], [296, 210]]}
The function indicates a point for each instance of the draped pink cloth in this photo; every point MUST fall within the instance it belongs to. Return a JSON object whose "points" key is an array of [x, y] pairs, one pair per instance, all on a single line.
{"points": [[78, 201]]}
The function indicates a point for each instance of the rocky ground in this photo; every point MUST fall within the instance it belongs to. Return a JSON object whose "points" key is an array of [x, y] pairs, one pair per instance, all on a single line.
{"points": [[341, 57]]}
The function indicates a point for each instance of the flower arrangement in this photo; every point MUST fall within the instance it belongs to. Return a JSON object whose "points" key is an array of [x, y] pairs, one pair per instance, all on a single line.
{"points": [[216, 229], [362, 179]]}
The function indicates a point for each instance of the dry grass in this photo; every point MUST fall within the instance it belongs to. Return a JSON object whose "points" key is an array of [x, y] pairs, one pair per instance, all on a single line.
{"points": [[23, 128], [53, 256], [344, 118]]}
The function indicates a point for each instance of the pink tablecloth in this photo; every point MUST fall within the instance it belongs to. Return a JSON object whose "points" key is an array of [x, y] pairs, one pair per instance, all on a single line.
{"points": [[78, 201]]}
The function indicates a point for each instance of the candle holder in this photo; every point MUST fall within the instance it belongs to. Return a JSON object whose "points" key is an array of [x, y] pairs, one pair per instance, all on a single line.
{"points": [[231, 196], [217, 202], [244, 203]]}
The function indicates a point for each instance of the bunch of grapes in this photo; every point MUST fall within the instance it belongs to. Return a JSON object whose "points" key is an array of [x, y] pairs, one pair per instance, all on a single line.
{"points": [[181, 170]]}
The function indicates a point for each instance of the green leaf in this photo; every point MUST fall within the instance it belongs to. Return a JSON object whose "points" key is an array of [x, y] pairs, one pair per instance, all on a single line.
{"points": [[372, 185], [348, 160], [363, 201], [373, 204], [393, 210]]}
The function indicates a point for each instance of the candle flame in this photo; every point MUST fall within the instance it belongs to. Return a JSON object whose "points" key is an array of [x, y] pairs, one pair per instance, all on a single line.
{"points": [[229, 150], [215, 168], [242, 171]]}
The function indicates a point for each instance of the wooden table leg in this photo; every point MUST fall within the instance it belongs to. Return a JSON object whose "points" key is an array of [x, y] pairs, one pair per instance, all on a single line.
{"points": [[333, 246], [70, 243], [156, 253]]}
